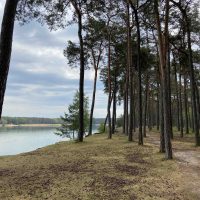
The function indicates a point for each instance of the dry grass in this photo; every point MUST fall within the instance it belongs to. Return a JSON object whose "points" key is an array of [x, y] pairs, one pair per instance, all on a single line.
{"points": [[98, 169]]}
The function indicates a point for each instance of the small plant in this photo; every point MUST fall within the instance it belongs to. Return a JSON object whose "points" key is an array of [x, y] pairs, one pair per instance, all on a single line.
{"points": [[101, 128]]}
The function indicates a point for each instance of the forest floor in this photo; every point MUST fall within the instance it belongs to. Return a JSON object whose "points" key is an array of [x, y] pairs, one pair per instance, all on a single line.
{"points": [[100, 169], [188, 158]]}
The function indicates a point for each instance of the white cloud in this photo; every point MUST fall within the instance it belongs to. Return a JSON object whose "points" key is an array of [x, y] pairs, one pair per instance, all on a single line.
{"points": [[40, 82]]}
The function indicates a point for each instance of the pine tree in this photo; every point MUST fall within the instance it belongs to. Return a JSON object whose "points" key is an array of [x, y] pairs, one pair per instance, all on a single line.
{"points": [[70, 120]]}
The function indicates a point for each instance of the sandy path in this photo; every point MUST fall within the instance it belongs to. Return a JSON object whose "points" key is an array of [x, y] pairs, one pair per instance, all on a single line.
{"points": [[188, 158]]}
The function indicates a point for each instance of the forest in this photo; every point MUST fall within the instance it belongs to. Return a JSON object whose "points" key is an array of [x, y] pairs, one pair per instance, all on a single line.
{"points": [[29, 120], [146, 53]]}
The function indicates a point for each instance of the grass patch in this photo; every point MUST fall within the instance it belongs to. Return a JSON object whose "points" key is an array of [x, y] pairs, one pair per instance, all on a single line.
{"points": [[98, 168]]}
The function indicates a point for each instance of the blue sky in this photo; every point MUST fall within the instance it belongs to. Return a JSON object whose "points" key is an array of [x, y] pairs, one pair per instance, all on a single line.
{"points": [[40, 82]]}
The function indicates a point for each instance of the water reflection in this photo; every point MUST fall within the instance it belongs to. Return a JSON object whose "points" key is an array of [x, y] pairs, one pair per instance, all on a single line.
{"points": [[15, 140]]}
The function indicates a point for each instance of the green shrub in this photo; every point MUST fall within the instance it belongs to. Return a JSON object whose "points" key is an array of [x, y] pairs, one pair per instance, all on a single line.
{"points": [[101, 128]]}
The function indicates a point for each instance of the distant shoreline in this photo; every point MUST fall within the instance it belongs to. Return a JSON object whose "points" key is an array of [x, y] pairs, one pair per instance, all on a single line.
{"points": [[30, 125]]}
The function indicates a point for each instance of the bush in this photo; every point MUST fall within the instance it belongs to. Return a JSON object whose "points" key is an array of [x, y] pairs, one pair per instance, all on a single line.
{"points": [[101, 128]]}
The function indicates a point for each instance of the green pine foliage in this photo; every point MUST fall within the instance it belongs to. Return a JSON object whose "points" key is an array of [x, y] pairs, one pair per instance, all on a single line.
{"points": [[70, 120]]}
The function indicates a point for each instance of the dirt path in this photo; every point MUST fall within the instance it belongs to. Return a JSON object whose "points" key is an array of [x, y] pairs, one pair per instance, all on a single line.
{"points": [[188, 158]]}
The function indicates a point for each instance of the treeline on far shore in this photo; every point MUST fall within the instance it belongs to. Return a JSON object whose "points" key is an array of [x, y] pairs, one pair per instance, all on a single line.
{"points": [[36, 120], [29, 120]]}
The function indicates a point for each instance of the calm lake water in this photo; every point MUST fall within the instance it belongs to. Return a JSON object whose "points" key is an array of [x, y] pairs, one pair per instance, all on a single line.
{"points": [[17, 140]]}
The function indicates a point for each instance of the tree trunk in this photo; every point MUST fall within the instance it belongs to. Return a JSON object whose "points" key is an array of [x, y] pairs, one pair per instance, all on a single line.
{"points": [[106, 119], [145, 103], [134, 108], [163, 55], [109, 89], [127, 71], [129, 61], [6, 38], [198, 104], [186, 105], [191, 72], [192, 80], [157, 111], [114, 103], [180, 103], [96, 67], [162, 137], [177, 98], [169, 92], [140, 141], [93, 101], [124, 116], [81, 82], [149, 112]]}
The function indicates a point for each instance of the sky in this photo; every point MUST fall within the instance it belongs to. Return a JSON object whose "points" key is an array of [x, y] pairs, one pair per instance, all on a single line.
{"points": [[40, 81]]}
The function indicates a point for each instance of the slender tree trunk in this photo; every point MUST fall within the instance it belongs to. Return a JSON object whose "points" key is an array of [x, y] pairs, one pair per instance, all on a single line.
{"points": [[169, 92], [198, 104], [109, 89], [134, 107], [180, 103], [106, 119], [6, 38], [159, 114], [126, 104], [81, 82], [192, 117], [163, 54], [158, 109], [129, 61], [93, 101], [149, 112], [140, 142], [105, 123], [114, 103], [145, 103], [162, 134], [96, 67], [127, 71], [124, 116], [191, 72], [177, 98], [186, 105], [192, 80]]}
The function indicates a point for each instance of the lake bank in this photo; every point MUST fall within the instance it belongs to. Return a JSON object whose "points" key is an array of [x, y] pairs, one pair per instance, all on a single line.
{"points": [[20, 139], [98, 168], [30, 125]]}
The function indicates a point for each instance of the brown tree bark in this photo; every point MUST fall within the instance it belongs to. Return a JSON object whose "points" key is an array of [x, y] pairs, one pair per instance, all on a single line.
{"points": [[163, 55], [81, 81], [192, 80], [96, 67], [130, 67], [177, 98], [158, 109], [93, 102], [186, 105], [135, 10], [127, 71], [6, 38], [180, 103], [109, 88], [146, 103], [162, 134], [191, 72], [169, 92], [114, 102]]}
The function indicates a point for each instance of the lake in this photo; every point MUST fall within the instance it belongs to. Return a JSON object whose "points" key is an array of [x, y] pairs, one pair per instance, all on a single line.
{"points": [[15, 140]]}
